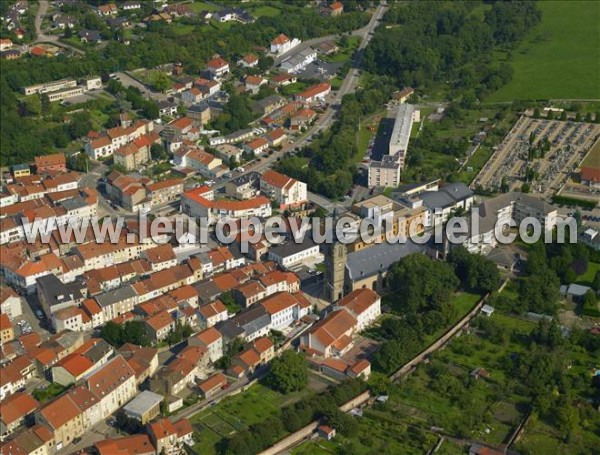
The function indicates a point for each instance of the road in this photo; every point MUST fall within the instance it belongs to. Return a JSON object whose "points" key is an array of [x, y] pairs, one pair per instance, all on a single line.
{"points": [[43, 38], [327, 117]]}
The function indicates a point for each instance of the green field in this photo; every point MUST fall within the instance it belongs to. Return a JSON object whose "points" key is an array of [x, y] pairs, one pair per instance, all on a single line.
{"points": [[587, 278], [593, 157], [560, 57], [203, 6], [183, 29], [265, 10]]}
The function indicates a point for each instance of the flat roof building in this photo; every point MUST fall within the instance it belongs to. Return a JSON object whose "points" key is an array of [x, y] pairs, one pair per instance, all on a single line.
{"points": [[144, 407]]}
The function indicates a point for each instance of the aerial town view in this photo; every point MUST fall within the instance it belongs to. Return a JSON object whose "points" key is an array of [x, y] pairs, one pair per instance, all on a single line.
{"points": [[237, 227]]}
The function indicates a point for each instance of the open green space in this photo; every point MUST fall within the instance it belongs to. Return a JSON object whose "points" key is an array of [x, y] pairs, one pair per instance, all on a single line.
{"points": [[238, 412], [559, 59], [203, 6], [593, 157], [265, 10], [181, 29], [587, 277]]}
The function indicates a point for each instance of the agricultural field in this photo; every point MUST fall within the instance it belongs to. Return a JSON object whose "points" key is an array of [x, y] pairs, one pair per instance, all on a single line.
{"points": [[560, 57]]}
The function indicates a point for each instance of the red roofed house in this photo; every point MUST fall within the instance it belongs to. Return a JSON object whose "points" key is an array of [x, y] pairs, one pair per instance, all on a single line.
{"points": [[256, 146], [363, 304], [138, 444], [213, 385], [333, 10], [253, 83], [212, 313], [159, 326], [286, 191], [590, 176], [316, 93], [248, 61], [14, 410], [218, 67], [212, 340], [54, 162], [281, 44], [6, 329], [168, 437], [302, 119]]}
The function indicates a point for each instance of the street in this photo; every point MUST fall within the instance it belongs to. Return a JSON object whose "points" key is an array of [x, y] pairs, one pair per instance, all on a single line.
{"points": [[41, 37]]}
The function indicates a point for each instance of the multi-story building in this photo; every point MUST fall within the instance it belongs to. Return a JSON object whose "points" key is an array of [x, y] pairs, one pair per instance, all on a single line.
{"points": [[286, 191]]}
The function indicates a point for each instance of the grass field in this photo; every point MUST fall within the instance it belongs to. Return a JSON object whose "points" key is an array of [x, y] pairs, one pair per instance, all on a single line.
{"points": [[560, 57], [183, 29], [203, 6], [265, 10], [587, 278], [593, 158]]}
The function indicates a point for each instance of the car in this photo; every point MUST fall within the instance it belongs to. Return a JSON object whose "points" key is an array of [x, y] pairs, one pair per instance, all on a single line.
{"points": [[76, 440], [39, 314]]}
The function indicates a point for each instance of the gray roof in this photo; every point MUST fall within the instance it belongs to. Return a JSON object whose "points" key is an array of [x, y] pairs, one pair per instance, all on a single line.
{"points": [[247, 322], [244, 179], [99, 350], [378, 258], [289, 248], [576, 290], [457, 191], [74, 203], [207, 291], [56, 292], [437, 199], [116, 295], [142, 403]]}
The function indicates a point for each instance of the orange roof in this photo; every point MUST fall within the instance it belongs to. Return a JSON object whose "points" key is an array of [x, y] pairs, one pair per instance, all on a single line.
{"points": [[359, 301], [212, 309], [138, 444], [225, 282], [50, 160], [263, 344], [76, 364], [91, 307], [182, 123], [254, 80], [160, 253], [360, 366], [257, 143], [278, 302], [208, 336], [217, 63], [46, 262], [216, 380], [335, 364], [5, 322], [334, 326], [184, 293], [68, 313], [315, 90], [160, 320], [110, 376], [249, 357], [17, 406], [306, 113], [591, 174], [60, 411], [183, 428], [250, 58], [168, 183], [38, 51], [277, 180], [336, 5], [162, 428], [281, 39]]}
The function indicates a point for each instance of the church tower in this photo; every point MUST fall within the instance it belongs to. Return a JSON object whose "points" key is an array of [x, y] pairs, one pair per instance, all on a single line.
{"points": [[336, 256]]}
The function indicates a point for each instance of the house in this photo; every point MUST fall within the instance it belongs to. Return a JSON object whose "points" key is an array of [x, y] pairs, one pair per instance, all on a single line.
{"points": [[333, 10], [167, 108], [212, 313], [64, 419], [276, 137], [7, 333], [327, 48], [281, 80], [54, 295], [194, 203], [169, 438], [229, 152], [243, 187], [281, 44], [142, 360], [254, 83], [210, 339], [114, 383], [249, 324], [139, 444], [302, 119], [14, 411], [256, 146], [193, 95], [20, 170], [286, 191], [363, 304], [270, 104], [87, 358], [132, 5], [217, 67], [326, 432], [213, 385], [248, 61], [53, 162], [144, 407], [330, 337], [160, 257], [314, 94], [159, 326], [6, 43], [109, 9], [90, 36], [10, 303], [283, 308], [574, 292]]}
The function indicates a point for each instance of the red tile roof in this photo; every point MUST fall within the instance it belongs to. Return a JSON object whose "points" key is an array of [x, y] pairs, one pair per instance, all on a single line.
{"points": [[281, 39], [16, 407], [216, 380]]}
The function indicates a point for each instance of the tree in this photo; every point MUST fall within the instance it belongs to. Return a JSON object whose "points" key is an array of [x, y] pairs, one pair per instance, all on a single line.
{"points": [[111, 333], [525, 188], [229, 301], [161, 81], [289, 372], [158, 152]]}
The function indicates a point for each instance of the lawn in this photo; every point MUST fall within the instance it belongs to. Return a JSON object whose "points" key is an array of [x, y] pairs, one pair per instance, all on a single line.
{"points": [[559, 59], [475, 164], [336, 83], [593, 157], [265, 10], [181, 29], [203, 6], [292, 89], [587, 278]]}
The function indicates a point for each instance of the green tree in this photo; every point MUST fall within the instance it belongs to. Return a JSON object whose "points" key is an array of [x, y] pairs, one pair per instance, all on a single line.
{"points": [[161, 81], [158, 152], [289, 372]]}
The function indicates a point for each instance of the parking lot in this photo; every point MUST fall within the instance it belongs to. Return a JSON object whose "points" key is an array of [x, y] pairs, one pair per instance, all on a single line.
{"points": [[567, 144]]}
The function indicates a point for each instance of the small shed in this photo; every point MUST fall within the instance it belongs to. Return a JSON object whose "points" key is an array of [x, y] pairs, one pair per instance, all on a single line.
{"points": [[487, 310], [326, 432]]}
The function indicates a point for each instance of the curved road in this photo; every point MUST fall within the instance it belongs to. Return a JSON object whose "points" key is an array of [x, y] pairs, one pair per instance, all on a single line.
{"points": [[41, 37]]}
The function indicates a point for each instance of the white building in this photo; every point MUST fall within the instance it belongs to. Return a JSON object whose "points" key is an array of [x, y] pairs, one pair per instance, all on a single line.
{"points": [[282, 44], [292, 253]]}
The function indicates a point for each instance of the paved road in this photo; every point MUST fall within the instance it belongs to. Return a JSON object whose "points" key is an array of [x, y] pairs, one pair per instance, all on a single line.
{"points": [[326, 119], [43, 38]]}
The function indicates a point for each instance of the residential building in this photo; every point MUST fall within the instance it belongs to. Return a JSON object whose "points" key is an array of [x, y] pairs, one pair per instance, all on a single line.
{"points": [[212, 313], [282, 44], [254, 83], [169, 438], [385, 172], [248, 61], [159, 326], [213, 385], [298, 62], [7, 333], [14, 412], [256, 146], [217, 67], [142, 360], [286, 191], [302, 119], [314, 94], [10, 303], [54, 162], [291, 253], [210, 339], [139, 444], [246, 186]]}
